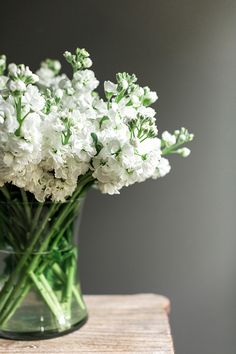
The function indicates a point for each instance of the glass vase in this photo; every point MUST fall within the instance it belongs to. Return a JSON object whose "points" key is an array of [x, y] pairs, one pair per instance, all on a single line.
{"points": [[40, 292]]}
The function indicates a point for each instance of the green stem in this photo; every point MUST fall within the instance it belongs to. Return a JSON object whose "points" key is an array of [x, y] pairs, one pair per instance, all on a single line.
{"points": [[172, 149], [36, 217], [71, 269], [54, 244], [26, 205], [5, 192], [15, 305], [61, 233], [9, 293], [77, 294], [9, 285], [47, 296], [60, 316], [18, 115]]}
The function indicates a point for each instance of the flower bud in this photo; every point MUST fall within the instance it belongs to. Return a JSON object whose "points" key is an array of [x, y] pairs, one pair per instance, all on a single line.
{"points": [[191, 136], [34, 78], [185, 152], [182, 138], [124, 84], [12, 69], [168, 138], [87, 62], [152, 96]]}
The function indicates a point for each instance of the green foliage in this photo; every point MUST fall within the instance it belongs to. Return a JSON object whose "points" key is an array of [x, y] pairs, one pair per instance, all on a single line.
{"points": [[142, 128], [80, 60], [98, 145]]}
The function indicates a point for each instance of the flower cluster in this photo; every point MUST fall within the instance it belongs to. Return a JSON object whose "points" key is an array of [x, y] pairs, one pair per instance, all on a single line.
{"points": [[54, 129]]}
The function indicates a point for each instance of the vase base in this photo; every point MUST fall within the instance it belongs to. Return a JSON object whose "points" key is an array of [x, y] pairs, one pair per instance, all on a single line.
{"points": [[49, 334]]}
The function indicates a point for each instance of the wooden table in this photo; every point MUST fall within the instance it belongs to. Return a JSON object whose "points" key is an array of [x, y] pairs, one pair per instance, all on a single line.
{"points": [[117, 324]]}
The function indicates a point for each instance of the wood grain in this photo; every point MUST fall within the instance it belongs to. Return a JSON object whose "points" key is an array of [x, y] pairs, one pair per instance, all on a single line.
{"points": [[117, 324]]}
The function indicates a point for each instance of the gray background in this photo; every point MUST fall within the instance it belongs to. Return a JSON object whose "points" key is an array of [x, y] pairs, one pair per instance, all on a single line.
{"points": [[174, 236]]}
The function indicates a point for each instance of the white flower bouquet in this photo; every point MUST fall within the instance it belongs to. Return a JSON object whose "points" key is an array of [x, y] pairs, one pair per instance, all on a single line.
{"points": [[58, 137]]}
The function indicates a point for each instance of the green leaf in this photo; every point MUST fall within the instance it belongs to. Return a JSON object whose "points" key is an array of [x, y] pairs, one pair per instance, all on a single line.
{"points": [[97, 144], [102, 121]]}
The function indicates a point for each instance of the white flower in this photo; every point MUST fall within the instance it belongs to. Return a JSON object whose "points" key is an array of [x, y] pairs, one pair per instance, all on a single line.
{"points": [[33, 98], [108, 188], [59, 93], [31, 127], [34, 78], [8, 158], [8, 114], [110, 87], [138, 91], [168, 138], [148, 96], [46, 76], [162, 169], [149, 145], [135, 100], [3, 81], [11, 123], [128, 113], [84, 81], [146, 111], [59, 129], [16, 85]]}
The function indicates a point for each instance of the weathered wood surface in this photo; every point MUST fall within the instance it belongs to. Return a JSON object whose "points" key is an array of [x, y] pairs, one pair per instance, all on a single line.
{"points": [[117, 324]]}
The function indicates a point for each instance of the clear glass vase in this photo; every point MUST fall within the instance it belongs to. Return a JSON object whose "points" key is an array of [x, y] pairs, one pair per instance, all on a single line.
{"points": [[40, 293]]}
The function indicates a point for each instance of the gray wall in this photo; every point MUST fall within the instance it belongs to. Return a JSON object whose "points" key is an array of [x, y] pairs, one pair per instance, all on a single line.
{"points": [[174, 236]]}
